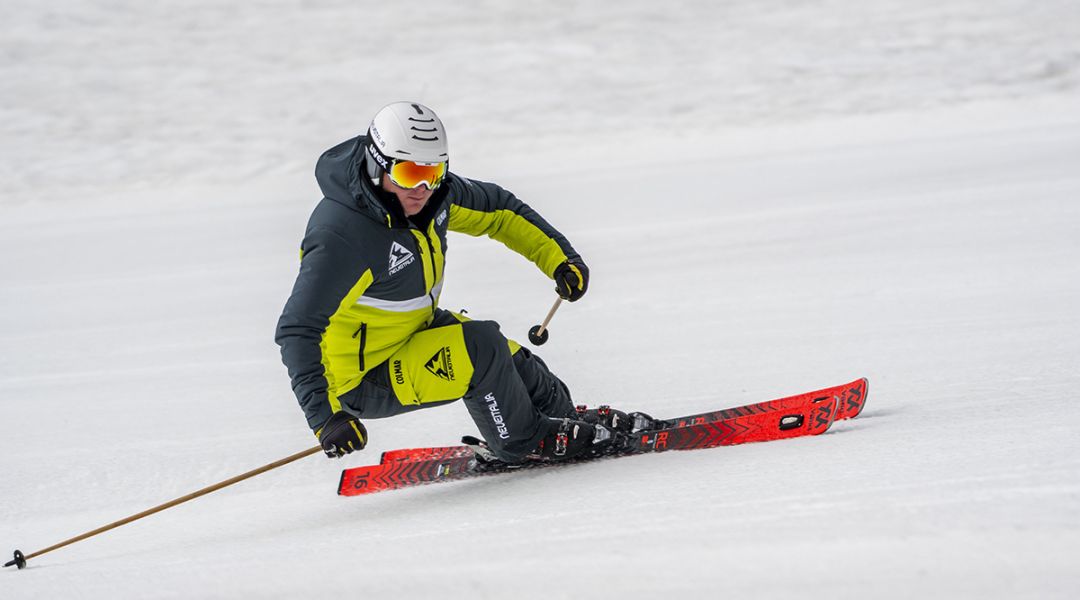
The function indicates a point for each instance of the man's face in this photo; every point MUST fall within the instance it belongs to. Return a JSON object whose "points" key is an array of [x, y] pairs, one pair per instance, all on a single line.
{"points": [[412, 201]]}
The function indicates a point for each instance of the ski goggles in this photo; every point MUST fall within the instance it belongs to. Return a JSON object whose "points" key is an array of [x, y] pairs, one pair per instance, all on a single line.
{"points": [[409, 174]]}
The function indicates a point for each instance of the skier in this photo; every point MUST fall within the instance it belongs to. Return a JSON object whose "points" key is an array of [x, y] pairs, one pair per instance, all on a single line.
{"points": [[362, 334]]}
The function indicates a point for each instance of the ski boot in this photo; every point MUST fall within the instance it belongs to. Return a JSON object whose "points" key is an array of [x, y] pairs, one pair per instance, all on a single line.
{"points": [[616, 420], [566, 439], [485, 458], [571, 439]]}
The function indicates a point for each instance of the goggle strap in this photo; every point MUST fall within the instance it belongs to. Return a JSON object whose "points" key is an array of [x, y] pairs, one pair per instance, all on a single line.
{"points": [[380, 159]]}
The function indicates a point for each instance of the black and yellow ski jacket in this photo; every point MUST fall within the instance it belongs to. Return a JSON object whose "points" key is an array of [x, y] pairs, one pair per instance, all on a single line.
{"points": [[370, 277]]}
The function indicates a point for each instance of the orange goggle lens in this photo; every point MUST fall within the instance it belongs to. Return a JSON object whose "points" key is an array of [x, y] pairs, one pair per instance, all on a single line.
{"points": [[408, 174]]}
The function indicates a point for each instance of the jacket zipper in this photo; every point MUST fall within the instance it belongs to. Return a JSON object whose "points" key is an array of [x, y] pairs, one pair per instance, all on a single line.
{"points": [[362, 332], [431, 250]]}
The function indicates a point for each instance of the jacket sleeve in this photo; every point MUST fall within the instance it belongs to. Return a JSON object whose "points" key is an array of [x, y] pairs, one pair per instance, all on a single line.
{"points": [[480, 208], [330, 269]]}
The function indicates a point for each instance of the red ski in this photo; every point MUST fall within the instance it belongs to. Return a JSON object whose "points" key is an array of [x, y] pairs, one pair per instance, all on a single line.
{"points": [[813, 417], [806, 414], [852, 400], [852, 397]]}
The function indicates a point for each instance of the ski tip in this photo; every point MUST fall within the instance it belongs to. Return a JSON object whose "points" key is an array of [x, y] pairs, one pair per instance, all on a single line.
{"points": [[823, 414], [855, 400], [852, 398]]}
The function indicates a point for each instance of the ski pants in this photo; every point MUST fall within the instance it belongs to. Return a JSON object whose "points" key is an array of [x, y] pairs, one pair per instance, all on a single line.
{"points": [[508, 390]]}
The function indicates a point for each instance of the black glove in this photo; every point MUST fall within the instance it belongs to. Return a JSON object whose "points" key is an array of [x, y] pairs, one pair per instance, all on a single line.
{"points": [[572, 279], [342, 434]]}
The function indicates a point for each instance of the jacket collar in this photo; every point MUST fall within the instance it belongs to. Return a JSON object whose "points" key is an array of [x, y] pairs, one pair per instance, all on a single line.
{"points": [[343, 178], [389, 209]]}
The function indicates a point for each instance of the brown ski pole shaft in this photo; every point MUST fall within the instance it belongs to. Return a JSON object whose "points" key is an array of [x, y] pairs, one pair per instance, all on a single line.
{"points": [[538, 334], [20, 559]]}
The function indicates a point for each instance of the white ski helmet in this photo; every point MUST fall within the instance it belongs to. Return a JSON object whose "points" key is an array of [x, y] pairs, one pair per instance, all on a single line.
{"points": [[404, 131]]}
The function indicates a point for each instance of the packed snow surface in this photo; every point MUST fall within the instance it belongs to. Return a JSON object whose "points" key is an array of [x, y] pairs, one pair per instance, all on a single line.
{"points": [[773, 196]]}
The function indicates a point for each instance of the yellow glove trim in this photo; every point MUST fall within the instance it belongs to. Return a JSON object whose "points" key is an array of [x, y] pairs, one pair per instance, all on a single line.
{"points": [[580, 277], [359, 436]]}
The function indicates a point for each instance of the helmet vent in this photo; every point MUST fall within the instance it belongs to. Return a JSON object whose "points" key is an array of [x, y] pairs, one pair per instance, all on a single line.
{"points": [[409, 131]]}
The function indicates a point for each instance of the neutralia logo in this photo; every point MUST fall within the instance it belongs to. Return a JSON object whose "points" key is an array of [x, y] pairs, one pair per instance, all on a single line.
{"points": [[400, 257], [442, 217], [496, 416], [441, 365]]}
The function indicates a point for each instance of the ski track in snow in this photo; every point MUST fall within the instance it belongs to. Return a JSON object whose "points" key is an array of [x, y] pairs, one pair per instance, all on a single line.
{"points": [[899, 201]]}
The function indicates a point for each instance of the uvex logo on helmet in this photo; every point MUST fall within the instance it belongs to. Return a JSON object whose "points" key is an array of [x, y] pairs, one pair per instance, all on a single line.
{"points": [[378, 156]]}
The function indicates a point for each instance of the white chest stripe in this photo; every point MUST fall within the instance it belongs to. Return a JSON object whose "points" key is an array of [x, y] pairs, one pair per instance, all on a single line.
{"points": [[402, 305]]}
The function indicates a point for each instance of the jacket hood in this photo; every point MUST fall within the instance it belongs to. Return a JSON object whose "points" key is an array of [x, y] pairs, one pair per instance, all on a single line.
{"points": [[342, 179], [339, 173]]}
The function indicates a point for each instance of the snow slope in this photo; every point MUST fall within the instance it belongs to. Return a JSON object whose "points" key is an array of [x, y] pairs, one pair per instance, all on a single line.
{"points": [[899, 201]]}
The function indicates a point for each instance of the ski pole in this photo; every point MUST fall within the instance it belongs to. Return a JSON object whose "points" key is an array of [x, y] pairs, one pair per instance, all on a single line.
{"points": [[539, 334], [20, 559]]}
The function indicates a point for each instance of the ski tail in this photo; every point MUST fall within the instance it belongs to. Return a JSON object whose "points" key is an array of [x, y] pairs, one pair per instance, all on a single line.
{"points": [[403, 473]]}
